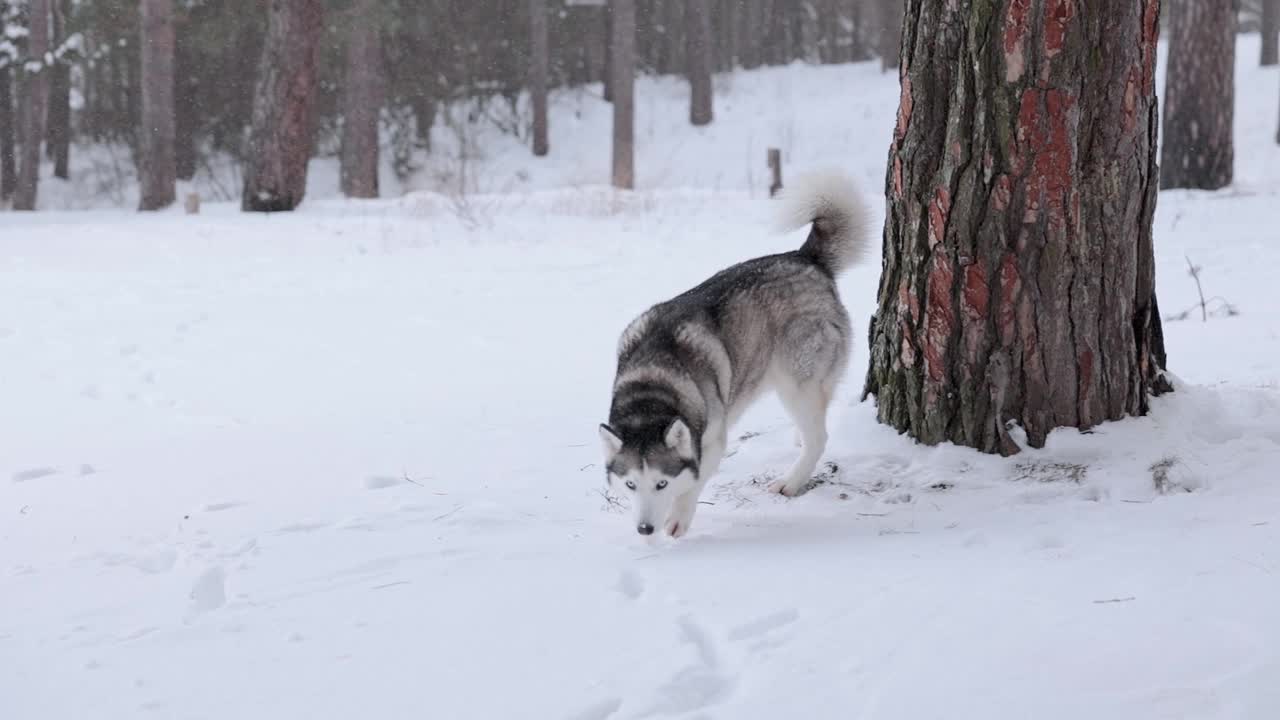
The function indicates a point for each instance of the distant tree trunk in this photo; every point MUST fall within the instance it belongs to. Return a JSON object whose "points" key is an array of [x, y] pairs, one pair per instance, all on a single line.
{"points": [[676, 53], [284, 99], [8, 157], [727, 25], [596, 43], [32, 110], [888, 16], [698, 31], [1199, 96], [363, 95], [59, 118], [187, 105], [751, 53], [623, 51], [1018, 281], [157, 167], [1270, 32], [608, 51], [424, 117], [538, 68]]}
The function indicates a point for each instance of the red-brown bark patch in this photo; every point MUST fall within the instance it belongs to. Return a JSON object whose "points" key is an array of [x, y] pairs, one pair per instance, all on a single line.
{"points": [[940, 321]]}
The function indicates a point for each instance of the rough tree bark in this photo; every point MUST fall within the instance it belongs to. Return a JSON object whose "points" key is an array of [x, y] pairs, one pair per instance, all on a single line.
{"points": [[1199, 95], [698, 33], [888, 17], [1017, 282], [622, 49], [32, 109], [284, 99], [58, 132], [538, 67], [1270, 32], [8, 157], [363, 94], [157, 167]]}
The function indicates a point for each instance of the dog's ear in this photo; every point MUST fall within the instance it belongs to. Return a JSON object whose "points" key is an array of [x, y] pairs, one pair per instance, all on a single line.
{"points": [[680, 439], [610, 441]]}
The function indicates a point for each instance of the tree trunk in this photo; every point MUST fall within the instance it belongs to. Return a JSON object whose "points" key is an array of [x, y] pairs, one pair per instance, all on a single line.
{"points": [[538, 64], [33, 107], [58, 136], [8, 157], [1270, 32], [698, 23], [280, 138], [363, 95], [888, 17], [1199, 96], [623, 51], [1018, 280], [157, 166]]}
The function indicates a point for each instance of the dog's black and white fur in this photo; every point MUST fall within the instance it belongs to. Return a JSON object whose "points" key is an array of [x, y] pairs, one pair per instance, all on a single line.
{"points": [[689, 367]]}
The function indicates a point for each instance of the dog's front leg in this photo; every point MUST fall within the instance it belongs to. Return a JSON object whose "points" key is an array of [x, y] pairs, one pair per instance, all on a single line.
{"points": [[682, 510]]}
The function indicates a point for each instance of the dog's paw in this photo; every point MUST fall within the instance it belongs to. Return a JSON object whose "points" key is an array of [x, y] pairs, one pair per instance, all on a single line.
{"points": [[678, 524], [789, 488]]}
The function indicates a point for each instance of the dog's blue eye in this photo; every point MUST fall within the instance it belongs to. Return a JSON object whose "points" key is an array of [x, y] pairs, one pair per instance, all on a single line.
{"points": [[631, 485], [662, 484]]}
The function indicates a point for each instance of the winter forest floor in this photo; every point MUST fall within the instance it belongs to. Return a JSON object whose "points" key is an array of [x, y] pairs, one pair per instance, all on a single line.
{"points": [[343, 463]]}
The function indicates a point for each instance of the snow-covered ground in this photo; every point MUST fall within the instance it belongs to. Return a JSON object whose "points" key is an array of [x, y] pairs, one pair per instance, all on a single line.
{"points": [[343, 463]]}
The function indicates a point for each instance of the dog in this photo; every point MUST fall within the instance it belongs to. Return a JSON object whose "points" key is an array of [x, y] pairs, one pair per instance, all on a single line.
{"points": [[690, 366]]}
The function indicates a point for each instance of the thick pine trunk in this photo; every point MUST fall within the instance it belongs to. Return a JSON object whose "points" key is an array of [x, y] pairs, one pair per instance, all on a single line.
{"points": [[698, 32], [623, 53], [1270, 32], [8, 146], [157, 166], [888, 17], [1199, 96], [32, 110], [1018, 282], [363, 94], [280, 138], [538, 68]]}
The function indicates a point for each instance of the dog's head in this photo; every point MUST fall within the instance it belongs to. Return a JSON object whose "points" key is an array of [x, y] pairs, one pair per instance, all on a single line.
{"points": [[652, 466]]}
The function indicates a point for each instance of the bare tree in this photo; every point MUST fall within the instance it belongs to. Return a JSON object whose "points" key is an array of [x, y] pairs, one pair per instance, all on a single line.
{"points": [[623, 53], [700, 57], [1018, 282], [1199, 96], [538, 64], [280, 139], [8, 149], [33, 106], [1270, 32], [363, 95], [157, 169]]}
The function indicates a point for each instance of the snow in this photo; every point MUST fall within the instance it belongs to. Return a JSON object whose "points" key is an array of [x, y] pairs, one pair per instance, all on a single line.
{"points": [[343, 463]]}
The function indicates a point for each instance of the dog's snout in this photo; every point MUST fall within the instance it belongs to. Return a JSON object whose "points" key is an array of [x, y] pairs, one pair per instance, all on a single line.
{"points": [[644, 529]]}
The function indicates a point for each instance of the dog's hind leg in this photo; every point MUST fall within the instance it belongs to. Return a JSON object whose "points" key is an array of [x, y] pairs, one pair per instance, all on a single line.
{"points": [[806, 403]]}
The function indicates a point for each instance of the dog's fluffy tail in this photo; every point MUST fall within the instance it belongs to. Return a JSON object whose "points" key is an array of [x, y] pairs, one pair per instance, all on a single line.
{"points": [[829, 200]]}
